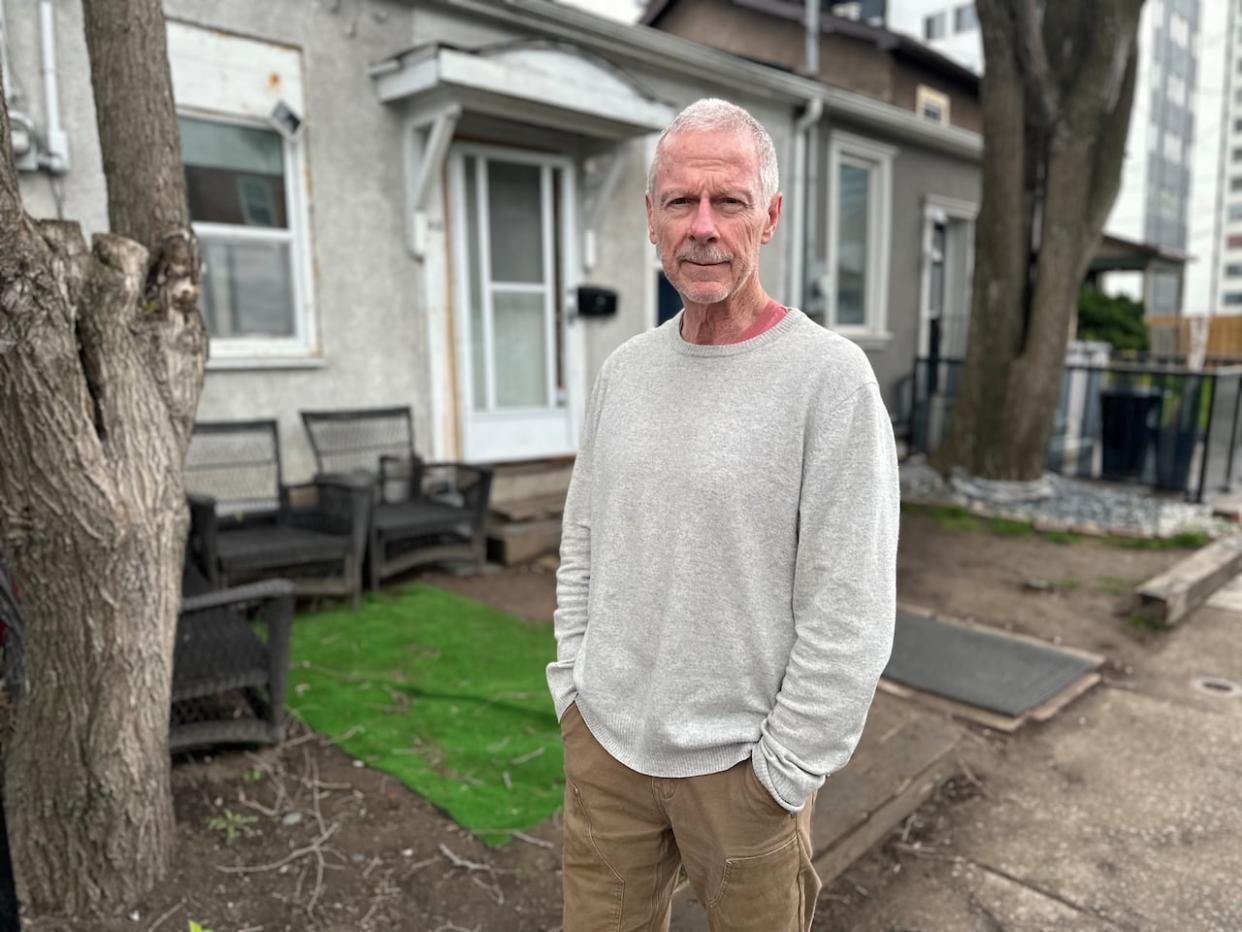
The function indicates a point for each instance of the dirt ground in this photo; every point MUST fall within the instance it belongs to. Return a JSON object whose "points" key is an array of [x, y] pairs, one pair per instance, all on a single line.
{"points": [[301, 838]]}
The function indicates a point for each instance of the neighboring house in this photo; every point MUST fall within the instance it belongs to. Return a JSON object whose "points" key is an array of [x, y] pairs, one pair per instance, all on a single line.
{"points": [[457, 170], [853, 55]]}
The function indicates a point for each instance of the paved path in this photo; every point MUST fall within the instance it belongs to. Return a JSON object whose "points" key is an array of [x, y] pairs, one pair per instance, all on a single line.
{"points": [[1125, 812]]}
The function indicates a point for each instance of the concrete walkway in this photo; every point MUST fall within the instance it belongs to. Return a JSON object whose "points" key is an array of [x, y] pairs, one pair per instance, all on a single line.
{"points": [[1124, 812]]}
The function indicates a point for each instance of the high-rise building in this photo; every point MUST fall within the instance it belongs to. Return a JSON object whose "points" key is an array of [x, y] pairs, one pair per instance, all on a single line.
{"points": [[1153, 205], [1214, 277]]}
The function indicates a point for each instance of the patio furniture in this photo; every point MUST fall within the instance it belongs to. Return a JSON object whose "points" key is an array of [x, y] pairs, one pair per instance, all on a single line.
{"points": [[228, 681], [423, 512], [248, 525]]}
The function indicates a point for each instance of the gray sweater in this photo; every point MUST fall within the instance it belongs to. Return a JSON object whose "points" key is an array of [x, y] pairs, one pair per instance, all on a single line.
{"points": [[727, 586]]}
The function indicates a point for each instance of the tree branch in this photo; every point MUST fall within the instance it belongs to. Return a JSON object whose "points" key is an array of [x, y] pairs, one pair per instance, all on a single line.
{"points": [[128, 48], [1028, 19]]}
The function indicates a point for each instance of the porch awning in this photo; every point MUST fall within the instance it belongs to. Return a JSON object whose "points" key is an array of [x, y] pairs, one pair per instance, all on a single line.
{"points": [[549, 84]]}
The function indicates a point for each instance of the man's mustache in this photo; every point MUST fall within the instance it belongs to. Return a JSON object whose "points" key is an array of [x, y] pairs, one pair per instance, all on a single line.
{"points": [[704, 255]]}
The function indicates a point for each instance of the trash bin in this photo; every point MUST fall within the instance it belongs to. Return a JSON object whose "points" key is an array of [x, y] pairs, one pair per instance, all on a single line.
{"points": [[1128, 426]]}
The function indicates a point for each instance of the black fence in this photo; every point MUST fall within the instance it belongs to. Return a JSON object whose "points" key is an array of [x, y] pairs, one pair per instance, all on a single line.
{"points": [[1163, 426]]}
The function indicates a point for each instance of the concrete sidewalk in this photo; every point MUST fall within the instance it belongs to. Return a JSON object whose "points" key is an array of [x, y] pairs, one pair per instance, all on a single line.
{"points": [[1124, 812]]}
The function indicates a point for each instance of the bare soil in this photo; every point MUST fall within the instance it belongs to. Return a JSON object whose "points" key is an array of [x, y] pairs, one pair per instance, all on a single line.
{"points": [[301, 838]]}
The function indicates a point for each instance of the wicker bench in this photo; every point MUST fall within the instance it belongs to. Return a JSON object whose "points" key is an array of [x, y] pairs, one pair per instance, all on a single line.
{"points": [[423, 512]]}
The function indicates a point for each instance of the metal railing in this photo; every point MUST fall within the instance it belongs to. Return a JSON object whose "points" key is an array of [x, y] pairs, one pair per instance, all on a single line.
{"points": [[1164, 426]]}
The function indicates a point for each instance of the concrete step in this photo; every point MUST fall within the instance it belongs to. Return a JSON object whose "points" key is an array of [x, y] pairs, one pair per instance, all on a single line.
{"points": [[904, 754]]}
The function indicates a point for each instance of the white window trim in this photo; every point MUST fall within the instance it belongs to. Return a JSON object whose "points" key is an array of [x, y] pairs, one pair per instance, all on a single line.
{"points": [[846, 147], [303, 345], [926, 95]]}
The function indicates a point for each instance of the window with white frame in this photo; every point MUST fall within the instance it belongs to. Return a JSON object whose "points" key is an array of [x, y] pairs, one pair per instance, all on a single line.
{"points": [[934, 26], [860, 194], [248, 194], [237, 182], [932, 105]]}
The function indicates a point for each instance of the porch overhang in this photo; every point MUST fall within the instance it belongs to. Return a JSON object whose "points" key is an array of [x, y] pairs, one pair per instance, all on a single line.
{"points": [[554, 85]]}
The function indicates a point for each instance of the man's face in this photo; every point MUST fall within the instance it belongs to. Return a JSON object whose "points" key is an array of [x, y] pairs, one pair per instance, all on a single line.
{"points": [[705, 214]]}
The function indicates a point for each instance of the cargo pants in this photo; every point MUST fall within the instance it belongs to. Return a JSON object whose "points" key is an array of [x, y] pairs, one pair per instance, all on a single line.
{"points": [[626, 834]]}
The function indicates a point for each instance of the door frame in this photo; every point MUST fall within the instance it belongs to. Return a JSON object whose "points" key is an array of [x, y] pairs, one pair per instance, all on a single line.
{"points": [[564, 290]]}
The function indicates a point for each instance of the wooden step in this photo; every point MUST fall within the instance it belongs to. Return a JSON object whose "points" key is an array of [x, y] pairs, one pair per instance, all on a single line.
{"points": [[527, 509], [904, 754], [517, 481]]}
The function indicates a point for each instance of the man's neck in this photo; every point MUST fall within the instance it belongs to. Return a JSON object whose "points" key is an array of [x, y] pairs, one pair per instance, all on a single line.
{"points": [[724, 321]]}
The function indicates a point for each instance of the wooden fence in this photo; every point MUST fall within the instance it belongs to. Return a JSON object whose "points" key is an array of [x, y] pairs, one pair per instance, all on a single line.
{"points": [[1172, 335]]}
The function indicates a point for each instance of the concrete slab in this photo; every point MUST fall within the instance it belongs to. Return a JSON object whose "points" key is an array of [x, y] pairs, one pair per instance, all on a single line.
{"points": [[1228, 597], [1123, 815]]}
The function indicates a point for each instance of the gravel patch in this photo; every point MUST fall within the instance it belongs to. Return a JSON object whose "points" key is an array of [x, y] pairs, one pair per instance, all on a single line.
{"points": [[1061, 503]]}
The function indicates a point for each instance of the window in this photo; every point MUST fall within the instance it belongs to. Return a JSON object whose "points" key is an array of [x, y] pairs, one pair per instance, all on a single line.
{"points": [[933, 27], [1233, 270], [1235, 211], [1237, 124], [1179, 30], [1236, 155], [932, 105], [1233, 298], [1234, 242], [1172, 147], [1177, 90], [236, 176], [964, 19], [1235, 184], [248, 195], [860, 184]]}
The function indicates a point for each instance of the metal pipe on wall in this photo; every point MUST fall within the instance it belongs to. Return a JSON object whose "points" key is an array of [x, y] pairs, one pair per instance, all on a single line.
{"points": [[57, 158]]}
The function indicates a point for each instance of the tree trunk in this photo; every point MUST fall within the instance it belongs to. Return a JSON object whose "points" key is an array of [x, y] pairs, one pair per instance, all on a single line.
{"points": [[1056, 97], [103, 364]]}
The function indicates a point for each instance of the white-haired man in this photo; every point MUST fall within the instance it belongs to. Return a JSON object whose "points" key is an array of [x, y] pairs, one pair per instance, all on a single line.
{"points": [[727, 588]]}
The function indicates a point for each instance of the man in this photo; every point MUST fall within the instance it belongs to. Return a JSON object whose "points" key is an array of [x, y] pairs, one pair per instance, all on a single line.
{"points": [[727, 588]]}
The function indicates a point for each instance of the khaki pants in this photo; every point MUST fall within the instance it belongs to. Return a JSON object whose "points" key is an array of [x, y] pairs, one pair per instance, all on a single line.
{"points": [[747, 858]]}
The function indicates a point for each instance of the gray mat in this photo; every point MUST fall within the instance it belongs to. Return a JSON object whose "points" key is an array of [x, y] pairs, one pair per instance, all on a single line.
{"points": [[991, 671]]}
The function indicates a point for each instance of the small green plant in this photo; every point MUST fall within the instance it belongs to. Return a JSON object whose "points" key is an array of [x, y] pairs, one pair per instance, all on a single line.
{"points": [[1068, 584], [1144, 621], [195, 927], [1011, 528], [1113, 585], [253, 775], [232, 824]]}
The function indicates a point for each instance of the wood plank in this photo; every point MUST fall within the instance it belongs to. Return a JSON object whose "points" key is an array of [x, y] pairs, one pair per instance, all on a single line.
{"points": [[526, 509], [945, 706], [1170, 596]]}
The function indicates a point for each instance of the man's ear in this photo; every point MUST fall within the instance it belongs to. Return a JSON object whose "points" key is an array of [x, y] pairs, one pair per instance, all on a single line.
{"points": [[650, 223], [774, 215]]}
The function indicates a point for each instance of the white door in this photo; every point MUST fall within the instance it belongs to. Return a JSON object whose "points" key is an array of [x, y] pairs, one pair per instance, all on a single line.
{"points": [[514, 266]]}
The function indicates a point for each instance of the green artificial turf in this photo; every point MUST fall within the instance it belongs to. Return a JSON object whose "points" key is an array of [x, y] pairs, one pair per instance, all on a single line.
{"points": [[443, 693]]}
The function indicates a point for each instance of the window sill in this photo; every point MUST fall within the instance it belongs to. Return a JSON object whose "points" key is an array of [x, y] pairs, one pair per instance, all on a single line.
{"points": [[243, 363]]}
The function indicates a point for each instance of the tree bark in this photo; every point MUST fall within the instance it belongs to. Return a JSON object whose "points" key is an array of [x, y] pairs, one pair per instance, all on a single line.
{"points": [[1056, 96], [103, 353]]}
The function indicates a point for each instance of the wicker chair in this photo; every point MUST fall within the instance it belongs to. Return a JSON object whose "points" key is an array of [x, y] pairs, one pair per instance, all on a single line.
{"points": [[247, 525], [424, 512], [228, 682]]}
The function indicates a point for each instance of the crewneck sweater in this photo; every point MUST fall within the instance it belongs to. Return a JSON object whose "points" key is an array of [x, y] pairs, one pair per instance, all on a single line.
{"points": [[727, 585]]}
